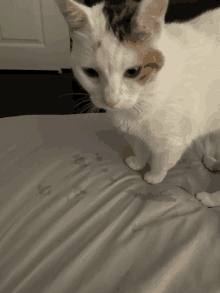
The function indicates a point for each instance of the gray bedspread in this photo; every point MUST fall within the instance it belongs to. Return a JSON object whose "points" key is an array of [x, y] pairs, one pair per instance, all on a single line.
{"points": [[74, 218]]}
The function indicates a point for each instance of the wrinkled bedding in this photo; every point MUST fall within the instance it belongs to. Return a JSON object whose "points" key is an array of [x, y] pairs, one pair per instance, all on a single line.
{"points": [[75, 218]]}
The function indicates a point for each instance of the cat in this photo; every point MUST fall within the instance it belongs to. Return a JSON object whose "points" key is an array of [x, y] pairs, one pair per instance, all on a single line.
{"points": [[158, 82], [208, 148]]}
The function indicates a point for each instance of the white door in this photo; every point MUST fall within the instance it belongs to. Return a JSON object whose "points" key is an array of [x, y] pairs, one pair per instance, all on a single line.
{"points": [[33, 35]]}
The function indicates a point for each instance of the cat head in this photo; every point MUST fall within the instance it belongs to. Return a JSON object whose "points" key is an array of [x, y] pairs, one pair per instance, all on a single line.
{"points": [[115, 72]]}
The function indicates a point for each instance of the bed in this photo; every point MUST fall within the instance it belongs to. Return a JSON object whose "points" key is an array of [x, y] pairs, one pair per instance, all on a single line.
{"points": [[74, 218]]}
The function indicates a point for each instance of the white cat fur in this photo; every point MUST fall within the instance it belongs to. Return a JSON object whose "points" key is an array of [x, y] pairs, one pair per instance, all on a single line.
{"points": [[181, 103]]}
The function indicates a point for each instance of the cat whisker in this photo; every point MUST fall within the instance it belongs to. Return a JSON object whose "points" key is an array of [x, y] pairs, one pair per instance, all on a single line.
{"points": [[81, 102], [136, 107], [95, 111], [86, 108], [137, 110], [74, 94], [81, 34], [83, 94], [91, 109]]}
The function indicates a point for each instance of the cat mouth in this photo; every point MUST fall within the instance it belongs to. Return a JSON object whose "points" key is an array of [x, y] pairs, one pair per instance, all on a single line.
{"points": [[113, 108], [106, 107]]}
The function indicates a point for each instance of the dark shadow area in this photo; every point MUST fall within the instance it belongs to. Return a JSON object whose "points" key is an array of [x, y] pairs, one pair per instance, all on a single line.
{"points": [[30, 92]]}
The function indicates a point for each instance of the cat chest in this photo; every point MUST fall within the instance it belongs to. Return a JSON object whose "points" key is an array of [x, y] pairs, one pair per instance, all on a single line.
{"points": [[130, 127]]}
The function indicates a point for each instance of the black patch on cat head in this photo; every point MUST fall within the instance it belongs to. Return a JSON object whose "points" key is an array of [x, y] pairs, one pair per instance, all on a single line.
{"points": [[119, 15], [71, 43]]}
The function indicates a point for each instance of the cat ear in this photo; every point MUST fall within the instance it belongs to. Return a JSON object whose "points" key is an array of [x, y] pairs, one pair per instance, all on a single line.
{"points": [[153, 8], [76, 15], [148, 16]]}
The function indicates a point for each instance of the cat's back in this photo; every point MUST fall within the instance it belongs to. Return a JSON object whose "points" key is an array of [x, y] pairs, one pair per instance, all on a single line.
{"points": [[201, 30], [190, 77], [208, 24]]}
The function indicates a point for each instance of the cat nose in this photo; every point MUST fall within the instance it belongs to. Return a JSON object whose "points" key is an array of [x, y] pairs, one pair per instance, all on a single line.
{"points": [[110, 103]]}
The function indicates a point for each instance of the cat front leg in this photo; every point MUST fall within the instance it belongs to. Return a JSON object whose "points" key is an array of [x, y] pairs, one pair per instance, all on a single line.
{"points": [[211, 164], [161, 162], [139, 160], [209, 200]]}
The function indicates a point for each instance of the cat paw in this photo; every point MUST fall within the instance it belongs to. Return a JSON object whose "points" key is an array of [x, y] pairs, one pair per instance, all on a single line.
{"points": [[132, 163], [209, 162], [154, 179], [208, 199]]}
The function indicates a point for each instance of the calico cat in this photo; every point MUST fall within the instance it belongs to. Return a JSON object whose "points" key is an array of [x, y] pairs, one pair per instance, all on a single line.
{"points": [[158, 82]]}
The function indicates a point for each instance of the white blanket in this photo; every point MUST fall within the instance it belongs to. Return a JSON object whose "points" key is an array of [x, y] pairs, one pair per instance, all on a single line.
{"points": [[74, 218]]}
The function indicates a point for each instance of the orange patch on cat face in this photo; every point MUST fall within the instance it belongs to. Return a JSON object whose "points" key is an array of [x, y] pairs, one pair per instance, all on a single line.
{"points": [[144, 30], [153, 61], [96, 46], [150, 59]]}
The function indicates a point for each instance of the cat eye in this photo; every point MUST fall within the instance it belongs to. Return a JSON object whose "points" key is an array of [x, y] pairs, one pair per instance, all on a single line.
{"points": [[91, 72], [133, 72]]}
